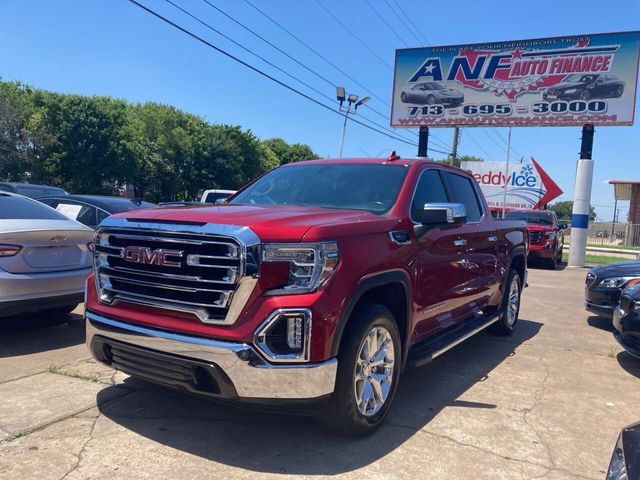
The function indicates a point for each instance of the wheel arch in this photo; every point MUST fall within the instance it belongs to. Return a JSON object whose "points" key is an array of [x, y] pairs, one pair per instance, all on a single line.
{"points": [[391, 289]]}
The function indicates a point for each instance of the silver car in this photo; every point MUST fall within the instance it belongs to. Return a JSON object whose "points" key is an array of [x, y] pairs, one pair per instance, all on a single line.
{"points": [[45, 258]]}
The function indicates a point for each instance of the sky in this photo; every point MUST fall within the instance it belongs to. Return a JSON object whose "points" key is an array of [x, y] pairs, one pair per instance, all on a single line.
{"points": [[112, 47]]}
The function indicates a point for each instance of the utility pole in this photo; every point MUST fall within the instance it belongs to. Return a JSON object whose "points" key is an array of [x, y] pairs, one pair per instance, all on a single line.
{"points": [[423, 141], [506, 184], [454, 149]]}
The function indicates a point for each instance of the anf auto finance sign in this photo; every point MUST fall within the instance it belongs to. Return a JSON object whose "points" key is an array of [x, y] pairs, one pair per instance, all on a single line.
{"points": [[551, 81], [528, 185]]}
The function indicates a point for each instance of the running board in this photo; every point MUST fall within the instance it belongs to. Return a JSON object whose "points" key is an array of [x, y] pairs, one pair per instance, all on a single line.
{"points": [[435, 346]]}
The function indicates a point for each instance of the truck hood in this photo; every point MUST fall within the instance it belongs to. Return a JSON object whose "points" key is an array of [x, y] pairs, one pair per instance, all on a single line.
{"points": [[536, 227], [272, 223]]}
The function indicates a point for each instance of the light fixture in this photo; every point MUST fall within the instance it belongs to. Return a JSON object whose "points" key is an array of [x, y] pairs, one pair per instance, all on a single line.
{"points": [[363, 101], [340, 95], [352, 98]]}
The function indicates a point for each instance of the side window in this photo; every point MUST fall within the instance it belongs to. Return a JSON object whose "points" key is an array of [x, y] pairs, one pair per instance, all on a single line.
{"points": [[102, 215], [430, 189], [52, 202], [463, 192], [87, 216], [5, 188], [84, 214]]}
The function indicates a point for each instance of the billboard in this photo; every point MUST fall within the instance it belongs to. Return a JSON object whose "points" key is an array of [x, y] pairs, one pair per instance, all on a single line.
{"points": [[569, 80], [528, 185]]}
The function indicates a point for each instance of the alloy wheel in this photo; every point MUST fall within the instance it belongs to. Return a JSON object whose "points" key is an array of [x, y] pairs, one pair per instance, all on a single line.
{"points": [[373, 373], [513, 302]]}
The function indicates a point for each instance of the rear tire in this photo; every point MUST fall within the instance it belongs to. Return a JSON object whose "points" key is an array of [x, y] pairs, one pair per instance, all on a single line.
{"points": [[510, 306], [366, 381]]}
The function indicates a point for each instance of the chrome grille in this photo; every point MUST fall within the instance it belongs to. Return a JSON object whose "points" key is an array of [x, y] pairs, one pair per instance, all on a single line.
{"points": [[534, 237], [203, 276]]}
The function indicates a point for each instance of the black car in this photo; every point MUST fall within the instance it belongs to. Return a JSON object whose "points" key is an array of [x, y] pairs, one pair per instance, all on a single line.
{"points": [[31, 190], [586, 86], [605, 283], [431, 93], [625, 460], [626, 320], [92, 209]]}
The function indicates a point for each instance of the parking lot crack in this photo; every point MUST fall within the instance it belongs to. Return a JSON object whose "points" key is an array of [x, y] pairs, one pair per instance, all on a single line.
{"points": [[83, 448]]}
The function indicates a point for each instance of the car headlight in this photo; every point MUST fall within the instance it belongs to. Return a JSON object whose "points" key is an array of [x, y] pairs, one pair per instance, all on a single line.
{"points": [[617, 466], [310, 264], [618, 282], [636, 306], [571, 90]]}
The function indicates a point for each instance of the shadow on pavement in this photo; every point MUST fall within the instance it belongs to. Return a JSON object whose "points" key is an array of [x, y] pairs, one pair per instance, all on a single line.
{"points": [[629, 363], [275, 443], [601, 323], [39, 332]]}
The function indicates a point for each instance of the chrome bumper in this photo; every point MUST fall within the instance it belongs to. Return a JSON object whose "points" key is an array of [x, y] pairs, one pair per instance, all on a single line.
{"points": [[251, 375]]}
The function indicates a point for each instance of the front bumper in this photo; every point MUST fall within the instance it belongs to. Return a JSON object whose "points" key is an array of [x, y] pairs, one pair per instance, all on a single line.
{"points": [[224, 370], [602, 301], [627, 331], [604, 310]]}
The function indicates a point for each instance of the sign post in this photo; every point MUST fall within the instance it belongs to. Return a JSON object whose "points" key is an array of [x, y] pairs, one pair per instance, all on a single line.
{"points": [[582, 200]]}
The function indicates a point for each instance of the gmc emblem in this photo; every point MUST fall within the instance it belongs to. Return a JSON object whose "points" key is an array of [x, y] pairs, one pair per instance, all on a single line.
{"points": [[152, 257]]}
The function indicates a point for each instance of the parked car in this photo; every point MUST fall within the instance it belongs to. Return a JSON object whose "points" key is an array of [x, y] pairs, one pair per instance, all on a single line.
{"points": [[431, 93], [626, 320], [213, 196], [546, 235], [625, 460], [586, 86], [90, 210], [31, 190], [44, 257], [310, 289], [605, 283]]}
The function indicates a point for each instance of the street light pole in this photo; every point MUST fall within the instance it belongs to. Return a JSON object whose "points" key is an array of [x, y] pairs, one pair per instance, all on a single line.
{"points": [[351, 99], [506, 185], [344, 129]]}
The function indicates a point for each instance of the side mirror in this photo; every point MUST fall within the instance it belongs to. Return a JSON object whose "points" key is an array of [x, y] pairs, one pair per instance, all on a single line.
{"points": [[220, 201], [563, 226], [444, 214]]}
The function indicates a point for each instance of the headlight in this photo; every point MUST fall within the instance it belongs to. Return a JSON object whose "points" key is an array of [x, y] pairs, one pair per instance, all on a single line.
{"points": [[310, 264], [636, 306], [571, 90], [618, 282], [550, 235], [617, 466]]}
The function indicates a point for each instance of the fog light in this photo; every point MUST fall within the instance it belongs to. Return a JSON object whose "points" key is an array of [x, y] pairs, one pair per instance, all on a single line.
{"points": [[294, 332], [285, 335]]}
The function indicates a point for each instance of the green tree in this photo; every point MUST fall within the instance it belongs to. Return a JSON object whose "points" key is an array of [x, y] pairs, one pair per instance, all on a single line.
{"points": [[290, 153], [563, 210]]}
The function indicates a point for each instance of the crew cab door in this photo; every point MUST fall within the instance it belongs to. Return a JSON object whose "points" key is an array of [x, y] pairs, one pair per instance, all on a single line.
{"points": [[480, 239], [439, 270]]}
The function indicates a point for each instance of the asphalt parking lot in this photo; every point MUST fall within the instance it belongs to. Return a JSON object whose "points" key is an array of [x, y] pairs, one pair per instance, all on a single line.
{"points": [[547, 402]]}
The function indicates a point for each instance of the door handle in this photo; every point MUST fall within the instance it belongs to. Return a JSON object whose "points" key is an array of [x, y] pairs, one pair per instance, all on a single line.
{"points": [[460, 242], [492, 238]]}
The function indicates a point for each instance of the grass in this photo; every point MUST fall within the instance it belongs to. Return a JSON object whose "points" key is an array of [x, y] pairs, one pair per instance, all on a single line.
{"points": [[598, 259], [612, 352], [15, 435], [59, 371], [620, 247]]}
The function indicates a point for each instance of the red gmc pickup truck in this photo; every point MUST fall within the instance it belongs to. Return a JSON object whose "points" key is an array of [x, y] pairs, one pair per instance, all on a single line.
{"points": [[310, 289], [546, 235]]}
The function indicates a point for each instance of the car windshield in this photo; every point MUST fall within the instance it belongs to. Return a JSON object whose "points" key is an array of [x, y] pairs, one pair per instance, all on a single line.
{"points": [[531, 217], [119, 206], [19, 208], [370, 187], [581, 78], [434, 86], [35, 191]]}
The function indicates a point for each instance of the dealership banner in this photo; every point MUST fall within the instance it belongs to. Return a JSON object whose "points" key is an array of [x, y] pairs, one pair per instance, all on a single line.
{"points": [[569, 80], [527, 184]]}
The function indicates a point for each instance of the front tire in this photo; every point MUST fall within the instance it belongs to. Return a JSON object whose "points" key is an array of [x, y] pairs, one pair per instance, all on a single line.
{"points": [[510, 305], [431, 100], [368, 371]]}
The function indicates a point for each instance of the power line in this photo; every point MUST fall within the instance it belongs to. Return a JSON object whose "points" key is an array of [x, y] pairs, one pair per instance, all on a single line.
{"points": [[322, 94], [260, 72], [362, 42], [271, 44], [411, 22], [402, 21], [386, 23], [313, 50]]}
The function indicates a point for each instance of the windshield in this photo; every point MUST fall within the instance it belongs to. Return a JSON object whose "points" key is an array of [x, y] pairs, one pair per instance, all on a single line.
{"points": [[580, 78], [128, 205], [531, 217], [433, 86], [14, 208], [370, 187]]}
